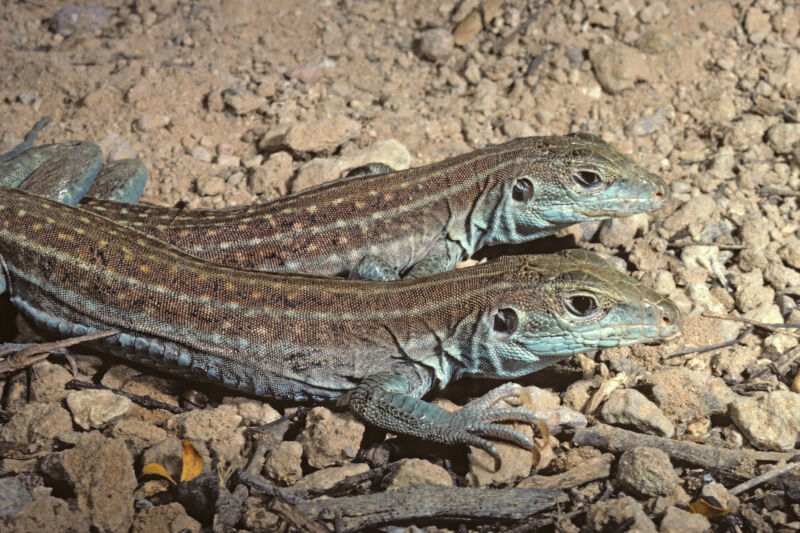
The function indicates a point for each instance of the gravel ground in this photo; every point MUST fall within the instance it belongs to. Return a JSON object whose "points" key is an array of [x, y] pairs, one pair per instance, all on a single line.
{"points": [[242, 101]]}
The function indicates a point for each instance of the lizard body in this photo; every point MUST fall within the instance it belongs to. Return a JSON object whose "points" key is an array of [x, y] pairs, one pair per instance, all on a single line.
{"points": [[416, 221], [293, 336]]}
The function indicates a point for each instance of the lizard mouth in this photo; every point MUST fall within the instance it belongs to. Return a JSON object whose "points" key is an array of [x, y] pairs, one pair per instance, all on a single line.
{"points": [[622, 206]]}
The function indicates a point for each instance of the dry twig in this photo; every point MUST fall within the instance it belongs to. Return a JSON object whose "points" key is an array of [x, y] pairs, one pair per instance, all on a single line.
{"points": [[766, 476], [775, 328], [144, 401], [616, 439], [34, 353]]}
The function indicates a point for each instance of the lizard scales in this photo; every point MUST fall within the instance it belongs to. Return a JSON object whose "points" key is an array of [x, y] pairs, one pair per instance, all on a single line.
{"points": [[440, 213], [294, 336]]}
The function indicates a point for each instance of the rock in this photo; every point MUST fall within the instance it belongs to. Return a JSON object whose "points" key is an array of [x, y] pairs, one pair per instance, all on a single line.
{"points": [[647, 471], [243, 102], [754, 232], [782, 137], [419, 472], [543, 398], [227, 160], [68, 20], [747, 132], [577, 395], [320, 170], [272, 177], [623, 514], [273, 140], [647, 124], [13, 497], [700, 295], [706, 257], [310, 72], [253, 162], [618, 66], [684, 394], [679, 521], [517, 128], [619, 232], [253, 412], [256, 518], [151, 121], [790, 253], [725, 160], [630, 407], [116, 147], [168, 518], [324, 479], [95, 409], [757, 25], [515, 462], [601, 18], [219, 428], [48, 382], [790, 80], [664, 283], [330, 438], [36, 425], [323, 136], [653, 12], [268, 85], [436, 44], [711, 230], [770, 422], [210, 185], [137, 434], [47, 513], [100, 472], [26, 97], [657, 40], [284, 464], [751, 291], [718, 492], [767, 313], [201, 153], [563, 418], [697, 210], [781, 277]]}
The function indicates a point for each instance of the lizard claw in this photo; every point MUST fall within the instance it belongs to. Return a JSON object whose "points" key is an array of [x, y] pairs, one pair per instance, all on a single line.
{"points": [[485, 417]]}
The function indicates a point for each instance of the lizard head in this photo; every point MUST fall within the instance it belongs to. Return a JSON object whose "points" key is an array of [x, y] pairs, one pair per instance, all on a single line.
{"points": [[562, 304], [570, 179]]}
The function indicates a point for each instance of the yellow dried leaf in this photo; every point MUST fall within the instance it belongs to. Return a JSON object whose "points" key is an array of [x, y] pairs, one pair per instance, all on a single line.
{"points": [[704, 507], [192, 462], [155, 469]]}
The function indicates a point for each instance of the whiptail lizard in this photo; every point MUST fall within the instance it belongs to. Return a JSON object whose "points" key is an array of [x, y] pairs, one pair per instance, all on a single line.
{"points": [[416, 221], [300, 337]]}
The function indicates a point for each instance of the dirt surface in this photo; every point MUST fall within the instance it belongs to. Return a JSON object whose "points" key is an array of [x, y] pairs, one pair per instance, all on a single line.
{"points": [[704, 93]]}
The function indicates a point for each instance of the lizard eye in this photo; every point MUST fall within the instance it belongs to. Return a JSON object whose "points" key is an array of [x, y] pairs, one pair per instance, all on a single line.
{"points": [[523, 190], [587, 179], [505, 321], [582, 305]]}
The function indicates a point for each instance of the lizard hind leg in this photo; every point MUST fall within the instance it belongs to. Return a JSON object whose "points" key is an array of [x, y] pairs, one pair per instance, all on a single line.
{"points": [[392, 401]]}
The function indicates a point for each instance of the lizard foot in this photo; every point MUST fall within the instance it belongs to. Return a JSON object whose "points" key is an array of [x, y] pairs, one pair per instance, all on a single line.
{"points": [[390, 400], [483, 410]]}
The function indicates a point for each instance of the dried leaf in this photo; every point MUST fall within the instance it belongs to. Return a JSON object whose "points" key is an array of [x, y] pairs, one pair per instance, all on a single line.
{"points": [[155, 469], [704, 507], [192, 462]]}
